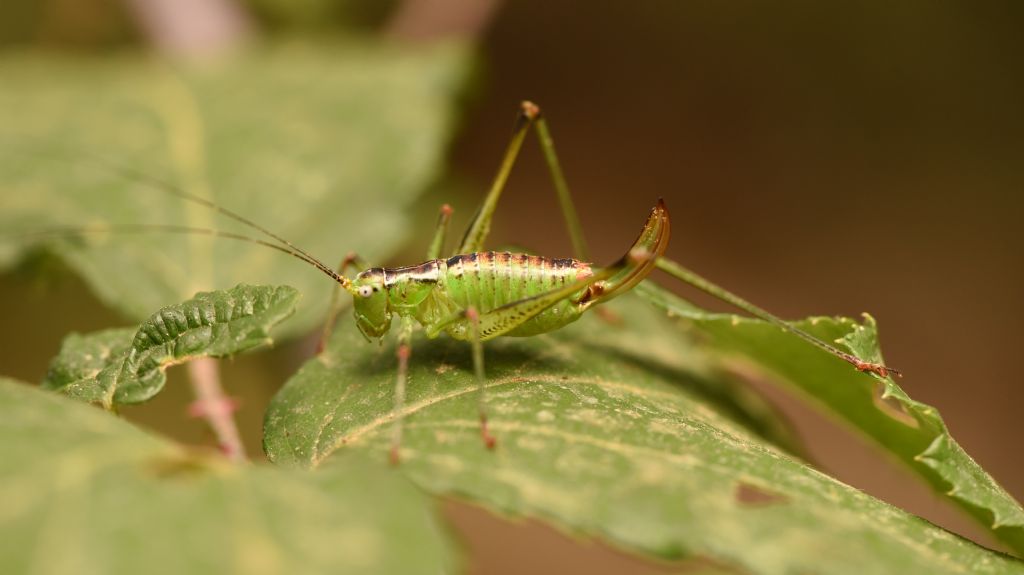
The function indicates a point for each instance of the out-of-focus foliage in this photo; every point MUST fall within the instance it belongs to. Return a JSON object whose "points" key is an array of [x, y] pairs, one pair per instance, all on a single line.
{"points": [[85, 492], [325, 144]]}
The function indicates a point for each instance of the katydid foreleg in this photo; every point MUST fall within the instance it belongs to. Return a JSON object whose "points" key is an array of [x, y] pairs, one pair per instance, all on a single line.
{"points": [[335, 307]]}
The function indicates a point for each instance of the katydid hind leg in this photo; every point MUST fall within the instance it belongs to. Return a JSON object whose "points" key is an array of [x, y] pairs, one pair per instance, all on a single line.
{"points": [[687, 276], [572, 219], [649, 240], [581, 251]]}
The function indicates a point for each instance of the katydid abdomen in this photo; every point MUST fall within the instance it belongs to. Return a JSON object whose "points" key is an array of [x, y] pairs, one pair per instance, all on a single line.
{"points": [[489, 280]]}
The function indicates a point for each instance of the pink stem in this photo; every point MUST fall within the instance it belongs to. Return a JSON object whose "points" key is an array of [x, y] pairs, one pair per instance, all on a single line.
{"points": [[216, 408], [192, 28]]}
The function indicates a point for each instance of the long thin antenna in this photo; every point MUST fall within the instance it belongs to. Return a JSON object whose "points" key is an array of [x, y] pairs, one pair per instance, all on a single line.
{"points": [[173, 190], [79, 231], [168, 188]]}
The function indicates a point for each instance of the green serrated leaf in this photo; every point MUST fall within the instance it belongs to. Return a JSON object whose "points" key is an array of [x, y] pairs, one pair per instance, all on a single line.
{"points": [[124, 366], [606, 430], [911, 430], [326, 144], [85, 492]]}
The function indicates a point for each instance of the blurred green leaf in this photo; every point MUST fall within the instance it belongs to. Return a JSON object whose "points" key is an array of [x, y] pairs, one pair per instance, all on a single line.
{"points": [[912, 431], [85, 492], [123, 366], [610, 430], [326, 144]]}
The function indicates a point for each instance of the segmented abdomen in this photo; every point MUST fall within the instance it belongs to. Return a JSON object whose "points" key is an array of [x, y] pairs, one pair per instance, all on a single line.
{"points": [[488, 280]]}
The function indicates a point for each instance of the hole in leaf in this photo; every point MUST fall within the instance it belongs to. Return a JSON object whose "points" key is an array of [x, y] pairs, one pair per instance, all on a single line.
{"points": [[755, 496]]}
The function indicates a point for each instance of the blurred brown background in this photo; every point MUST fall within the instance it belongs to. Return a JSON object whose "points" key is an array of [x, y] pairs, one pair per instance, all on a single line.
{"points": [[818, 158]]}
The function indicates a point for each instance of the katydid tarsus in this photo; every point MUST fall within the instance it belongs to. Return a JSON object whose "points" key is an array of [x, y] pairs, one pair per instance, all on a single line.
{"points": [[476, 295]]}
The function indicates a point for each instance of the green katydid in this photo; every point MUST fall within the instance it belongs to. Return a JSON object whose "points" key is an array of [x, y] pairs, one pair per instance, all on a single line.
{"points": [[476, 295]]}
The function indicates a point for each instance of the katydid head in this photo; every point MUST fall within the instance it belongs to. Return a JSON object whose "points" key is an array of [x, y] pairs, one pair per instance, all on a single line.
{"points": [[370, 300]]}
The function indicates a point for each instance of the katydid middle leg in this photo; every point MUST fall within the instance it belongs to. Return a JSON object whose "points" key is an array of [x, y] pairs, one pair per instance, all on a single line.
{"points": [[403, 351], [478, 371], [444, 218]]}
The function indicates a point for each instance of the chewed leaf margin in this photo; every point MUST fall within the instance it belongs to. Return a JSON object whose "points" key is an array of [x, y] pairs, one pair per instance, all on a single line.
{"points": [[125, 366], [874, 406]]}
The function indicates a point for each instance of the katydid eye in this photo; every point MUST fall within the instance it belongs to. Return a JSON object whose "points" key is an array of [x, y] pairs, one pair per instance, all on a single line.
{"points": [[365, 291]]}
